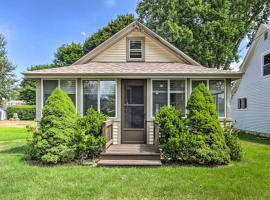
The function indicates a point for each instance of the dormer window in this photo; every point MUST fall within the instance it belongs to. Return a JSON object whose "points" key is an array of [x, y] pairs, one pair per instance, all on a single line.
{"points": [[135, 49]]}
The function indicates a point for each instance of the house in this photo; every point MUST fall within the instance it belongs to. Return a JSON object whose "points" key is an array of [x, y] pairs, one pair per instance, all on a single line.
{"points": [[129, 77], [3, 108], [250, 102]]}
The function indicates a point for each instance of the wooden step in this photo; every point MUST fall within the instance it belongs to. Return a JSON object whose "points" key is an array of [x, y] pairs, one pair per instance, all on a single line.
{"points": [[129, 156], [147, 163]]}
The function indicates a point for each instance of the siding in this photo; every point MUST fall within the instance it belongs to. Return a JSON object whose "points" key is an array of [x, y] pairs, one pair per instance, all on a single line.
{"points": [[257, 90], [154, 52]]}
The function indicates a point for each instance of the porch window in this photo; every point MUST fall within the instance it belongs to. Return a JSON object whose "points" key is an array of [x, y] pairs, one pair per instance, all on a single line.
{"points": [[69, 86], [160, 94], [90, 95], [217, 89], [48, 88], [266, 65], [195, 83], [107, 97], [177, 95], [168, 92], [135, 49], [100, 95]]}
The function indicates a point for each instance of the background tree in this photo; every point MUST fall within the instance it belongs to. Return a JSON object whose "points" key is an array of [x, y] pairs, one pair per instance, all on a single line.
{"points": [[107, 31], [209, 31], [67, 54], [7, 77], [27, 88]]}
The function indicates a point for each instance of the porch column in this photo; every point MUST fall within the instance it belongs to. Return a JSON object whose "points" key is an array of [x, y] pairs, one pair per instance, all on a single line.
{"points": [[228, 99], [38, 100]]}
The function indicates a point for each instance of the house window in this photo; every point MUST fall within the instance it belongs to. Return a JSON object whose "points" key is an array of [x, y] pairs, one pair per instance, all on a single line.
{"points": [[100, 95], [160, 95], [107, 97], [48, 88], [266, 64], [177, 95], [266, 35], [242, 103], [168, 92], [217, 89], [69, 86], [195, 83], [136, 49]]}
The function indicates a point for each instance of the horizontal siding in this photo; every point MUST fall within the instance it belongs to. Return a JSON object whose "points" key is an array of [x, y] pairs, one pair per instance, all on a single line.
{"points": [[154, 52], [257, 90]]}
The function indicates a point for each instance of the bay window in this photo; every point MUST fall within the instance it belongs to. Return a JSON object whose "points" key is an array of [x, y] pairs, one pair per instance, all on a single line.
{"points": [[100, 95], [168, 92]]}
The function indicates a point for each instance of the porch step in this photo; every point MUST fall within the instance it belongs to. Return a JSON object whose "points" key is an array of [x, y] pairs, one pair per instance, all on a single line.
{"points": [[130, 155], [153, 163]]}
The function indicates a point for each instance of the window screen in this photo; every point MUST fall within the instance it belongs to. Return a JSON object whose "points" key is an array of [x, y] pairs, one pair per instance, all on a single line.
{"points": [[135, 49], [69, 86], [48, 88], [217, 90], [160, 94], [177, 95], [107, 97], [90, 95]]}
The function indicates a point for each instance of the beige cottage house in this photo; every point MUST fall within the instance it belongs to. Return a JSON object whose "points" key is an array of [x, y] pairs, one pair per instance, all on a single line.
{"points": [[130, 77]]}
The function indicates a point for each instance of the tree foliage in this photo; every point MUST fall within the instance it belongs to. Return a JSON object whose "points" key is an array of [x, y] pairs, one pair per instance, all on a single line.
{"points": [[27, 88], [209, 31], [67, 54], [107, 31], [7, 77]]}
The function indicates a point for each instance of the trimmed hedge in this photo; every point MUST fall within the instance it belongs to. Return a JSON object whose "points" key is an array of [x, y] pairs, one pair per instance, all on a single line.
{"points": [[25, 112]]}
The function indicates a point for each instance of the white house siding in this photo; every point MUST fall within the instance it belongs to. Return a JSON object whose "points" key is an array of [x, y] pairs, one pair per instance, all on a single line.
{"points": [[256, 88]]}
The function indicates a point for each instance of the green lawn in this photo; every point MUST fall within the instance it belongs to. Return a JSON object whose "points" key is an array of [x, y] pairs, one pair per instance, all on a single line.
{"points": [[248, 179]]}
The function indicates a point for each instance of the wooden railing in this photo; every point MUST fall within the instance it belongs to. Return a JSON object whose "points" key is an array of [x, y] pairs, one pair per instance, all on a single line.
{"points": [[107, 132], [156, 135]]}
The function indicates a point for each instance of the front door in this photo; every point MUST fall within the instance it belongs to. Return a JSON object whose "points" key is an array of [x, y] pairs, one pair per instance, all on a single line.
{"points": [[133, 111]]}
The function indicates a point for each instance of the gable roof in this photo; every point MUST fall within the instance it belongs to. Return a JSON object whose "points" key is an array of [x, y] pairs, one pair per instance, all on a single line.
{"points": [[125, 31], [244, 65]]}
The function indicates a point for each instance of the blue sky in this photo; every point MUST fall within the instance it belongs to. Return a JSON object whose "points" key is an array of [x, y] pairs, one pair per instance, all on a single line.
{"points": [[35, 29]]}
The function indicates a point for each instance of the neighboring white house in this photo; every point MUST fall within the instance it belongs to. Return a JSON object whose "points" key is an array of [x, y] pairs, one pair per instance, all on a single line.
{"points": [[3, 115], [251, 95]]}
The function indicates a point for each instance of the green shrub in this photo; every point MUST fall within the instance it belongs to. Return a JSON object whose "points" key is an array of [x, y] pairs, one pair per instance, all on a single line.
{"points": [[53, 142], [90, 142], [25, 112], [208, 138], [232, 141]]}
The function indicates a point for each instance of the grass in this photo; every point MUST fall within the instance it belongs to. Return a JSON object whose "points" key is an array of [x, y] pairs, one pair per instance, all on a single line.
{"points": [[248, 179]]}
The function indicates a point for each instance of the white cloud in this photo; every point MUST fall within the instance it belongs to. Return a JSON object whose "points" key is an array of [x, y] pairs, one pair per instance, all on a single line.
{"points": [[110, 3], [235, 65], [83, 33]]}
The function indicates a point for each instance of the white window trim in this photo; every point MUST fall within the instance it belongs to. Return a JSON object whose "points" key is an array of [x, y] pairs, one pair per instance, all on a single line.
{"points": [[262, 63], [98, 92], [168, 93], [58, 80], [225, 91], [142, 39]]}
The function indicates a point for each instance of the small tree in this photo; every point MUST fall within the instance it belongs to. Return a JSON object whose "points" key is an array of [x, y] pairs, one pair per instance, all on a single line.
{"points": [[53, 142], [208, 137]]}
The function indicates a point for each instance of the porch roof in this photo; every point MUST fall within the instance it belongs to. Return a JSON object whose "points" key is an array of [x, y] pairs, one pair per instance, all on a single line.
{"points": [[132, 69]]}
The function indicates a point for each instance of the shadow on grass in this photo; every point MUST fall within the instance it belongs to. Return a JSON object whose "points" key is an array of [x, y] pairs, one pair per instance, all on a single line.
{"points": [[254, 138], [15, 150]]}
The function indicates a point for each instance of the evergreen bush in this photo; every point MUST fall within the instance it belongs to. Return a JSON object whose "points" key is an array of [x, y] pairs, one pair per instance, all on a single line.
{"points": [[53, 141], [90, 142], [208, 137]]}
